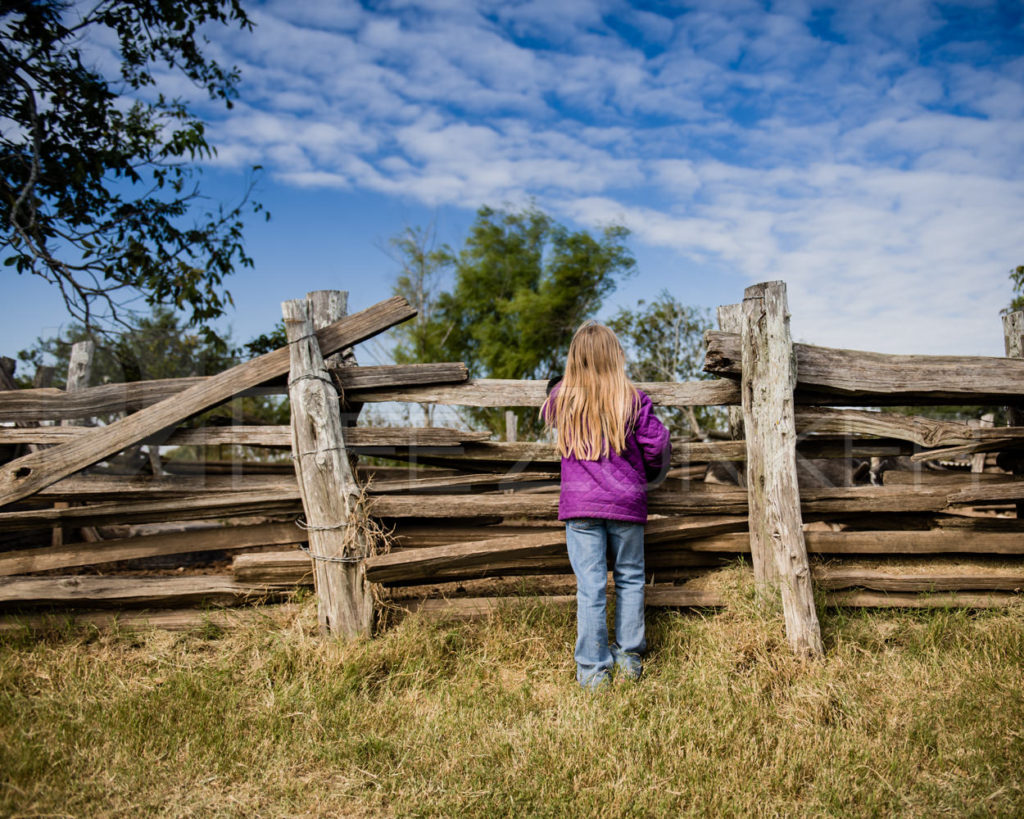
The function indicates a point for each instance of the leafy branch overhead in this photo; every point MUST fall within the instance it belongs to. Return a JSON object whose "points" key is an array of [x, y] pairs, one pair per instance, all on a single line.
{"points": [[98, 190]]}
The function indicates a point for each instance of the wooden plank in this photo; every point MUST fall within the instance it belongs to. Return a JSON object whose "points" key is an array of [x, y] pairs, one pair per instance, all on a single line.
{"points": [[463, 483], [964, 579], [953, 452], [777, 543], [71, 555], [868, 499], [185, 507], [30, 473], [926, 432], [660, 564], [825, 374], [331, 499], [277, 435], [898, 542], [57, 405], [938, 541], [294, 566], [1010, 491], [289, 566], [88, 590], [494, 392], [528, 452], [88, 487], [951, 600], [497, 455], [816, 502], [431, 562], [951, 479], [425, 563], [358, 379], [439, 533], [164, 619], [53, 404]]}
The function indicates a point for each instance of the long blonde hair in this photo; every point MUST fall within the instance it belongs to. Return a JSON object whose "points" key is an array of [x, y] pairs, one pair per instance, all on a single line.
{"points": [[595, 403]]}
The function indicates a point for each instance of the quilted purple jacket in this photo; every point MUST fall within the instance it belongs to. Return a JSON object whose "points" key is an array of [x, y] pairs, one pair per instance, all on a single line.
{"points": [[614, 487]]}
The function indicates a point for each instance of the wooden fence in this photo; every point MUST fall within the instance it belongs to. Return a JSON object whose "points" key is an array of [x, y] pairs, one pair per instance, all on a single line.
{"points": [[471, 520]]}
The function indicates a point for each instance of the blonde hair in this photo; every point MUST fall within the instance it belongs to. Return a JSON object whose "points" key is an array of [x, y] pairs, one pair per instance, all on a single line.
{"points": [[595, 403]]}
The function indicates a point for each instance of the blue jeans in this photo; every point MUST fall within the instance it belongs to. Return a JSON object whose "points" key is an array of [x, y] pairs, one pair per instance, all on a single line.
{"points": [[590, 541]]}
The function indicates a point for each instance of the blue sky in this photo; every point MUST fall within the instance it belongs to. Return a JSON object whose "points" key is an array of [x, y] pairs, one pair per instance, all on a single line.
{"points": [[870, 154]]}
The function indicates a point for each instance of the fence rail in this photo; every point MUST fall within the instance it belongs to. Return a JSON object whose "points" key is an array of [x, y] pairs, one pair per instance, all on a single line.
{"points": [[464, 511]]}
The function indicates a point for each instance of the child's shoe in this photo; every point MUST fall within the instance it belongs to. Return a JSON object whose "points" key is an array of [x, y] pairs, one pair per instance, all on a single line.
{"points": [[600, 679], [628, 669]]}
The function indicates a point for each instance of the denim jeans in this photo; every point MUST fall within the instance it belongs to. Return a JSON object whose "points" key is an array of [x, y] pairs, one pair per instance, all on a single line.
{"points": [[590, 542]]}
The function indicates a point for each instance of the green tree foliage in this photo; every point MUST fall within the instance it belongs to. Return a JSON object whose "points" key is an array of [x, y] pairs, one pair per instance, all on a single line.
{"points": [[1017, 277], [664, 341], [159, 346], [98, 192], [523, 284]]}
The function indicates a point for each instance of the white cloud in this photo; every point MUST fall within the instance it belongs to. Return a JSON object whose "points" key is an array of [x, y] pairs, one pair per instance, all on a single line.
{"points": [[810, 143]]}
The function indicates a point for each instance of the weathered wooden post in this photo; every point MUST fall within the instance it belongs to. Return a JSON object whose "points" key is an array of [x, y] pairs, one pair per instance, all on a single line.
{"points": [[511, 426], [776, 534], [326, 307], [978, 458], [334, 517], [79, 374], [730, 320], [1013, 339]]}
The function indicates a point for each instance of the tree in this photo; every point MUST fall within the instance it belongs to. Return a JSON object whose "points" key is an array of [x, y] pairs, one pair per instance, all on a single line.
{"points": [[523, 284], [423, 264], [664, 341], [159, 346], [1017, 277], [156, 347], [98, 193]]}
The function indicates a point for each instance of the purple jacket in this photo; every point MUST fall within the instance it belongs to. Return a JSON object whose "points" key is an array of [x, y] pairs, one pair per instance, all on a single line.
{"points": [[614, 487]]}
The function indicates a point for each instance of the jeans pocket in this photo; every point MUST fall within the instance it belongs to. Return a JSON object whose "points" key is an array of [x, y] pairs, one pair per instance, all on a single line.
{"points": [[583, 524]]}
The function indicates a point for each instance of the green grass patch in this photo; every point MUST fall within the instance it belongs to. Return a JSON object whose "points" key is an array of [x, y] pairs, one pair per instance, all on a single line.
{"points": [[917, 714]]}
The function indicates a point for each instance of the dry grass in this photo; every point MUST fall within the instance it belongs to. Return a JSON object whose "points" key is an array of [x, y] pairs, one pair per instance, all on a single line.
{"points": [[919, 714]]}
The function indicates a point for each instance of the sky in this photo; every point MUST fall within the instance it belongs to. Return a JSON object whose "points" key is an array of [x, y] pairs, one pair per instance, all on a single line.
{"points": [[869, 154]]}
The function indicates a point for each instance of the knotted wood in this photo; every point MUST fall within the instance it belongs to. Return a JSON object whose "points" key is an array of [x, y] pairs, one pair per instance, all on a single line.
{"points": [[769, 376], [826, 375], [330, 495], [30, 473]]}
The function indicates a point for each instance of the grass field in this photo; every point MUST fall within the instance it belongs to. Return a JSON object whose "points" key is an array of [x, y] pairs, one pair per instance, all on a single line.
{"points": [[915, 714]]}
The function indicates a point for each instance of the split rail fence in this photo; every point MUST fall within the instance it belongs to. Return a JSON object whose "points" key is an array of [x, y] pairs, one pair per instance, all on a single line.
{"points": [[460, 524]]}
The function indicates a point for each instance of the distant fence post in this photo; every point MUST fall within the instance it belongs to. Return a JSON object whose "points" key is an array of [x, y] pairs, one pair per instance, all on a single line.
{"points": [[730, 320], [79, 375], [330, 495], [776, 534], [1013, 338]]}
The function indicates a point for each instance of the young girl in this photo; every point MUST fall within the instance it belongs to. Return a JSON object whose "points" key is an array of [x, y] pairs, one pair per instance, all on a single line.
{"points": [[610, 442]]}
